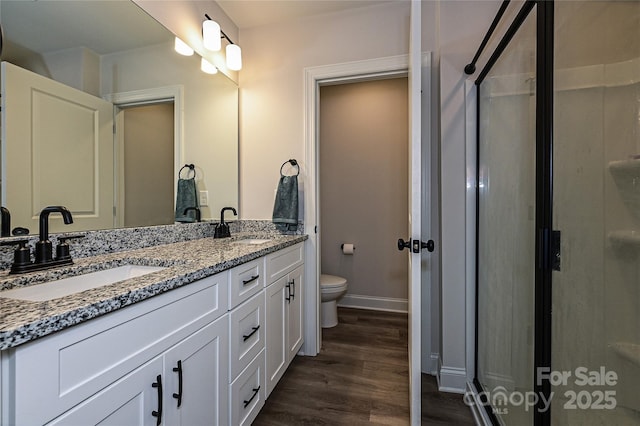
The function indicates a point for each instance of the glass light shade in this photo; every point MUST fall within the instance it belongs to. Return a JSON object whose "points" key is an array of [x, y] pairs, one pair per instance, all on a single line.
{"points": [[234, 57], [183, 48], [207, 67], [211, 35]]}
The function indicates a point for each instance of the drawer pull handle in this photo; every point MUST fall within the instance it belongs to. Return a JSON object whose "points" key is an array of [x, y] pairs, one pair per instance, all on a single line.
{"points": [[255, 392], [246, 337], [178, 395], [253, 278], [158, 385]]}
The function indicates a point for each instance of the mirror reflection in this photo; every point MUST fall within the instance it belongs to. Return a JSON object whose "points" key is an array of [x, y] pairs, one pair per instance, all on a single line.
{"points": [[99, 113]]}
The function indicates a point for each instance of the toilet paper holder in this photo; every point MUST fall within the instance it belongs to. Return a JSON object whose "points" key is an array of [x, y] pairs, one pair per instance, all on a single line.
{"points": [[342, 248]]}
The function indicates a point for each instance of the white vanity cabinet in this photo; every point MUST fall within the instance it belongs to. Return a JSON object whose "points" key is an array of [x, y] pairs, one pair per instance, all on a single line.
{"points": [[187, 379], [284, 314], [105, 369], [207, 353]]}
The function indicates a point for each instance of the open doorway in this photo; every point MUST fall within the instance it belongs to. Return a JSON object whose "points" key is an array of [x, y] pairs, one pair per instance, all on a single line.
{"points": [[155, 133], [145, 171]]}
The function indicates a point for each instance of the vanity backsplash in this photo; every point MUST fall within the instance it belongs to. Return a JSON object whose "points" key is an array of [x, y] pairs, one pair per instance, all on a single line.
{"points": [[108, 241]]}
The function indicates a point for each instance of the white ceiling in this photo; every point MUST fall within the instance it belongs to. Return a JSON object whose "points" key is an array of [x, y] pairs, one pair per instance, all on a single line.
{"points": [[255, 13]]}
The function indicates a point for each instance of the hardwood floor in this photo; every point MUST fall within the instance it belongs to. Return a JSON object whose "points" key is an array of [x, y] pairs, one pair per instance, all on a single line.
{"points": [[360, 377]]}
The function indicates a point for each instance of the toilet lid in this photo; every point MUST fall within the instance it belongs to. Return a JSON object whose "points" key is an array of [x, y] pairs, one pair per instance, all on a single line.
{"points": [[328, 281]]}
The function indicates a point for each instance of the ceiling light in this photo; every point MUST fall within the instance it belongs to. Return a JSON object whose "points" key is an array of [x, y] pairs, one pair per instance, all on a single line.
{"points": [[183, 48], [207, 67]]}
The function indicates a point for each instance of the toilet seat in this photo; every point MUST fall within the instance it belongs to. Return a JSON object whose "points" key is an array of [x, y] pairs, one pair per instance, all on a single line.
{"points": [[331, 281]]}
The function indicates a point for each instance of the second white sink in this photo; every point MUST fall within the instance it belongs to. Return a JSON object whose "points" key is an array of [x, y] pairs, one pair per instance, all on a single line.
{"points": [[67, 286]]}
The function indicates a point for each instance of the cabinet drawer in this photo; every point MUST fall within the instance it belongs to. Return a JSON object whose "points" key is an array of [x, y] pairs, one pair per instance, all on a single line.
{"points": [[246, 333], [245, 281], [67, 367], [284, 261], [247, 393]]}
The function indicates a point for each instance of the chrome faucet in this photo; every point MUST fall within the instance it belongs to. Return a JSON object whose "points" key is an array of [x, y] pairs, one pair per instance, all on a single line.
{"points": [[222, 229]]}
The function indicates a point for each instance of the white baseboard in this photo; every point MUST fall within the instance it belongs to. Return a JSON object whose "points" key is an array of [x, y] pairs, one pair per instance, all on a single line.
{"points": [[452, 379], [374, 303]]}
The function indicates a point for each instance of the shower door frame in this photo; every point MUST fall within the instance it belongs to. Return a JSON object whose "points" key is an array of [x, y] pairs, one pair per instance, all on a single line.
{"points": [[545, 249]]}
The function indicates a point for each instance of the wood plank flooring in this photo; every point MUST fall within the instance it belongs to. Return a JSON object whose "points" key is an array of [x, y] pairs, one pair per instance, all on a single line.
{"points": [[360, 377]]}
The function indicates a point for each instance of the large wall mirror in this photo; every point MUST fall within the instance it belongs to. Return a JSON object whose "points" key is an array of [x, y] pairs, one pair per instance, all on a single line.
{"points": [[99, 113]]}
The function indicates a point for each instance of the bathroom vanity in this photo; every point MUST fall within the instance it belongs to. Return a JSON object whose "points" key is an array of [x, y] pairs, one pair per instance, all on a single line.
{"points": [[202, 339]]}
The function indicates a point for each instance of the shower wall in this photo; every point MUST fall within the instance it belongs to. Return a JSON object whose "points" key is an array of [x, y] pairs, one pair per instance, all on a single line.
{"points": [[596, 295]]}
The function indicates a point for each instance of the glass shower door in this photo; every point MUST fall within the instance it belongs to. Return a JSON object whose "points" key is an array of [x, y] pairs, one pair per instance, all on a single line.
{"points": [[506, 230], [596, 206]]}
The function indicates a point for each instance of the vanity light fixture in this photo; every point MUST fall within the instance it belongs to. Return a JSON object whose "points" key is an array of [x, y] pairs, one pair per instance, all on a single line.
{"points": [[207, 67], [212, 39], [211, 35], [182, 48]]}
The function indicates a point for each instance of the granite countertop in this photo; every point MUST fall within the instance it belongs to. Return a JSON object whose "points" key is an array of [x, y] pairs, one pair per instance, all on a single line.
{"points": [[22, 321]]}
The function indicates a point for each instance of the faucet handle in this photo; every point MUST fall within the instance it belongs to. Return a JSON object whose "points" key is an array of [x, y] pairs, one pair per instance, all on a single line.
{"points": [[21, 255], [62, 250]]}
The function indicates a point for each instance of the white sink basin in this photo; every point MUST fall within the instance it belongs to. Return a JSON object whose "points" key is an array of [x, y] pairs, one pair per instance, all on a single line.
{"points": [[67, 286], [252, 241]]}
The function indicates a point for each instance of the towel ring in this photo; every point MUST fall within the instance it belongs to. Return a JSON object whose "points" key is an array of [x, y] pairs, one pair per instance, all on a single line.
{"points": [[294, 163], [191, 167]]}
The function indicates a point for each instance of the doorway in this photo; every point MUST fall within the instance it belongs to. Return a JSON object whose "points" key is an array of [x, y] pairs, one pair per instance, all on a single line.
{"points": [[421, 196], [364, 189], [146, 170]]}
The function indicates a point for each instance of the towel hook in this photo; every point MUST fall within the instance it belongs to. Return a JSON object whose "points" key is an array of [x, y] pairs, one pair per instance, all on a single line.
{"points": [[191, 167], [293, 163]]}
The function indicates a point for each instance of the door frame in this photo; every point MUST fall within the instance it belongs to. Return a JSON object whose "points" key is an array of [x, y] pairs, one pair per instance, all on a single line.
{"points": [[156, 95], [314, 77]]}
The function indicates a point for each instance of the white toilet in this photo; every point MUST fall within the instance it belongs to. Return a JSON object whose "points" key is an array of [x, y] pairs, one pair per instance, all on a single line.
{"points": [[332, 288]]}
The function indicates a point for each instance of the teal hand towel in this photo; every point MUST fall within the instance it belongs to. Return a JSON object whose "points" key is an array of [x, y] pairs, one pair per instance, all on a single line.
{"points": [[285, 208], [186, 197]]}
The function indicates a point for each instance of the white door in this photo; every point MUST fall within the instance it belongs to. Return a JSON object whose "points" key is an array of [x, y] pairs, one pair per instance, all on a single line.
{"points": [[197, 376], [131, 400], [57, 145], [418, 244]]}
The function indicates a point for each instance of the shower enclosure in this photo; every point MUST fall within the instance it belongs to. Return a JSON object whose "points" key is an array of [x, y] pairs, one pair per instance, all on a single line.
{"points": [[558, 218]]}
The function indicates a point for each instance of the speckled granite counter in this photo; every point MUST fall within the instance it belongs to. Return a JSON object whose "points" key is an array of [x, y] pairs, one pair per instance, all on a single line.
{"points": [[188, 261]]}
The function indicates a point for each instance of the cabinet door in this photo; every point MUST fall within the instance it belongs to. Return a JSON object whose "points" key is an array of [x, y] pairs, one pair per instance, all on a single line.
{"points": [[276, 347], [294, 313], [129, 401], [197, 378]]}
